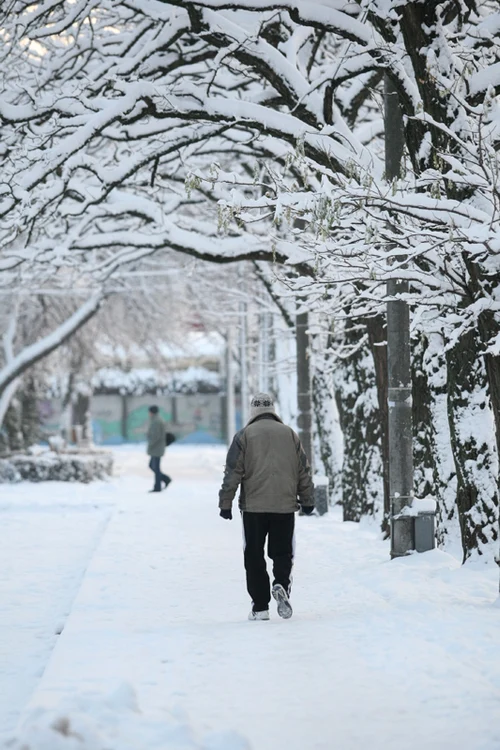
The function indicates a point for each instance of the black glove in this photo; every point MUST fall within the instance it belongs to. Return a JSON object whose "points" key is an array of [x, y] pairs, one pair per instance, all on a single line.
{"points": [[307, 509], [226, 513]]}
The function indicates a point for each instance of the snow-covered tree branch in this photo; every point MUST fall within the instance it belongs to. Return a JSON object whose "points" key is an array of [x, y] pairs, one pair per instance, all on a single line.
{"points": [[270, 113]]}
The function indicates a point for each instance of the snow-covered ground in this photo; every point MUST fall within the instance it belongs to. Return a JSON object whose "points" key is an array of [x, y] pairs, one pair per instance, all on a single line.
{"points": [[155, 651]]}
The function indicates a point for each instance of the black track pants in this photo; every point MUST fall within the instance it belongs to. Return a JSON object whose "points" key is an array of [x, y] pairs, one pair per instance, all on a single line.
{"points": [[278, 528], [154, 465]]}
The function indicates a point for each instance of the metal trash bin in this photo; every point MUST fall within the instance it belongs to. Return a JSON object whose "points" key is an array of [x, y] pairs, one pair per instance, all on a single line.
{"points": [[424, 524], [424, 532]]}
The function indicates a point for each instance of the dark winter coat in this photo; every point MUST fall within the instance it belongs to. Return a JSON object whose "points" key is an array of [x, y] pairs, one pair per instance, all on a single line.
{"points": [[267, 459], [156, 436]]}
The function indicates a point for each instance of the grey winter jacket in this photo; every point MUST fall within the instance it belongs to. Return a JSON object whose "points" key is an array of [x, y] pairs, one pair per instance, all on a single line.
{"points": [[156, 437], [267, 459]]}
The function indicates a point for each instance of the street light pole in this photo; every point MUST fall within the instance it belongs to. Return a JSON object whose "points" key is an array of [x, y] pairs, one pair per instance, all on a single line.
{"points": [[264, 352], [304, 417], [398, 361], [243, 363], [230, 412]]}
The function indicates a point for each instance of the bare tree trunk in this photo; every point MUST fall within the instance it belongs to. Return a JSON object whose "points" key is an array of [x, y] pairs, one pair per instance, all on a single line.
{"points": [[6, 397], [327, 427], [472, 440], [37, 351], [435, 474], [377, 339], [356, 397], [30, 419], [13, 424]]}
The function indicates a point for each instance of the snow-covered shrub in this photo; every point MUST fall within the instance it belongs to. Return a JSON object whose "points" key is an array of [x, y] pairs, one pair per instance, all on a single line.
{"points": [[56, 443], [116, 722], [65, 467], [8, 472]]}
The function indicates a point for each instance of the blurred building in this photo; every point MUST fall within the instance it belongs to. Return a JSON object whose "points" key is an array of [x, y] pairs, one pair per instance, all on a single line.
{"points": [[188, 388]]}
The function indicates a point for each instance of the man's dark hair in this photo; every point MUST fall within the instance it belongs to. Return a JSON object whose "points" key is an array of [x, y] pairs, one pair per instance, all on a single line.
{"points": [[153, 409]]}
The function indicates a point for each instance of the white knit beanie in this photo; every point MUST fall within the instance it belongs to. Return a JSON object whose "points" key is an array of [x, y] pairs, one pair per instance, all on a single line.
{"points": [[261, 403]]}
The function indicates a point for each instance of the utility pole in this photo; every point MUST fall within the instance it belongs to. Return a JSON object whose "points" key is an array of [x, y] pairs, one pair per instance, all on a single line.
{"points": [[230, 419], [264, 353], [398, 360], [243, 363], [304, 420]]}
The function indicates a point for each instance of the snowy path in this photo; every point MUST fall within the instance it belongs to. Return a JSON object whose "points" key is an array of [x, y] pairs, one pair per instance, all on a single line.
{"points": [[47, 537], [379, 654]]}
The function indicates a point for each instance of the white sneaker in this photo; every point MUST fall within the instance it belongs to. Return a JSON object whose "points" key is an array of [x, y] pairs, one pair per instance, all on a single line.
{"points": [[263, 615], [284, 607]]}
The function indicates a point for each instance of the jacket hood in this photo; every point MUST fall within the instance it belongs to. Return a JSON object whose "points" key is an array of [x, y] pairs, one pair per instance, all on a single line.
{"points": [[270, 414]]}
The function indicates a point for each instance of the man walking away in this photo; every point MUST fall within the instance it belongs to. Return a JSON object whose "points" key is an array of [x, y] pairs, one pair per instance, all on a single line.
{"points": [[267, 459], [156, 447]]}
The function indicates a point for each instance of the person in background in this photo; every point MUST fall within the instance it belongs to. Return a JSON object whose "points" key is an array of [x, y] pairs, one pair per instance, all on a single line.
{"points": [[156, 448], [267, 460]]}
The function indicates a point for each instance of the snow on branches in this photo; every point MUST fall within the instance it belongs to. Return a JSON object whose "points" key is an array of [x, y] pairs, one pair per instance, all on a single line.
{"points": [[228, 129]]}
